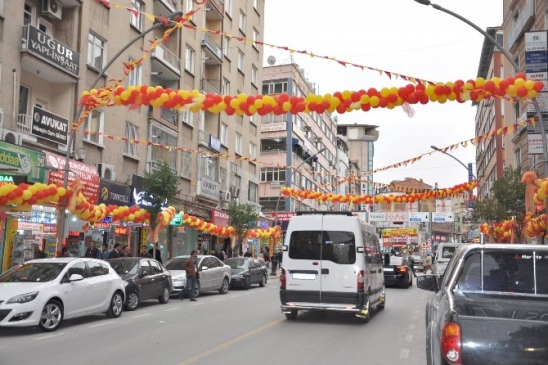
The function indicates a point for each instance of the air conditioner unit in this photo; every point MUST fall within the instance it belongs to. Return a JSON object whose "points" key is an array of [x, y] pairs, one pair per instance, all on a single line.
{"points": [[106, 171], [12, 137], [52, 9], [226, 196]]}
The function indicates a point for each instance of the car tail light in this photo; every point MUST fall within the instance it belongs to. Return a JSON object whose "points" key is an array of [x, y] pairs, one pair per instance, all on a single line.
{"points": [[451, 343], [282, 279], [361, 281], [401, 269]]}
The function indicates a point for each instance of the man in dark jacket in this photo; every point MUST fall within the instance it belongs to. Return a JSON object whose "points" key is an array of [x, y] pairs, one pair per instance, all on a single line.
{"points": [[158, 253], [116, 252], [192, 275], [38, 253], [92, 251]]}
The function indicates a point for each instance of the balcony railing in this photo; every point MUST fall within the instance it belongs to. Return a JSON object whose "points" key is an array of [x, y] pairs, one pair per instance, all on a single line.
{"points": [[219, 4], [210, 43], [167, 57], [208, 88], [170, 116], [24, 123]]}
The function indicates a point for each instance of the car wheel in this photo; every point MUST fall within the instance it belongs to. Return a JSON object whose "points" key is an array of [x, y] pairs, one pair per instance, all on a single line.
{"points": [[405, 285], [410, 281], [132, 301], [247, 283], [116, 305], [51, 317], [224, 286], [164, 298], [197, 291], [262, 283], [292, 315]]}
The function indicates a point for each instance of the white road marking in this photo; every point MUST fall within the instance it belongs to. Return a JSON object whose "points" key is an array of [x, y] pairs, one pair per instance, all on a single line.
{"points": [[46, 336], [142, 315], [412, 327], [100, 324], [404, 353], [172, 309], [408, 338]]}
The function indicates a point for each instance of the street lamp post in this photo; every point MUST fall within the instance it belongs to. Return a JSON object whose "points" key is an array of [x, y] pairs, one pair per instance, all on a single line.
{"points": [[453, 157], [72, 132], [273, 272], [516, 67]]}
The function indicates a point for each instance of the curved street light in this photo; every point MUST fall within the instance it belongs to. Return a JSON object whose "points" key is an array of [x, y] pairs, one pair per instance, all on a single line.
{"points": [[453, 157]]}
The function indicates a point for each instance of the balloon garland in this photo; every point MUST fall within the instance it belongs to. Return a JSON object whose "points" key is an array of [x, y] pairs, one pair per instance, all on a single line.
{"points": [[346, 101]]}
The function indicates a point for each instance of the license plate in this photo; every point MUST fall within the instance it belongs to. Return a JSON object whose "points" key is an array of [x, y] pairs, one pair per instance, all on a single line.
{"points": [[298, 276], [387, 269]]}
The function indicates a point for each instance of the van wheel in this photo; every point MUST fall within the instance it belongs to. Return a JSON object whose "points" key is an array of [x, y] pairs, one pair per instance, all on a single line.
{"points": [[293, 315]]}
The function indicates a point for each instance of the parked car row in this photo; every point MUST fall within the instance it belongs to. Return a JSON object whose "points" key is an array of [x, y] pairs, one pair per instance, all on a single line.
{"points": [[45, 292]]}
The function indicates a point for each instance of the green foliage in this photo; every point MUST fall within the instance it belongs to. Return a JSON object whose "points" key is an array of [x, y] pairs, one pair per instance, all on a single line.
{"points": [[242, 217], [161, 187], [507, 201]]}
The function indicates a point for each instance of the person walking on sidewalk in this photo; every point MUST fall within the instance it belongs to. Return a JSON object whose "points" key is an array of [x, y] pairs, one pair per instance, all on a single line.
{"points": [[192, 275], [411, 261]]}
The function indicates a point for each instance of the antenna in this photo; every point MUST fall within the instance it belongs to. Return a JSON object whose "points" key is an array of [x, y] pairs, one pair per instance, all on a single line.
{"points": [[271, 60]]}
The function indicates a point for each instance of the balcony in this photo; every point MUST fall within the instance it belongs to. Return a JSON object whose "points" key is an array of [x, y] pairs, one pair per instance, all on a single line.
{"points": [[49, 59], [24, 123], [171, 6], [165, 115], [206, 87], [213, 50], [215, 10], [165, 64]]}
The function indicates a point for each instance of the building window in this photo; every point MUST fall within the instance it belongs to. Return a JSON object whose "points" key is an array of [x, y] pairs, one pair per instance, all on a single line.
{"points": [[159, 154], [252, 151], [254, 75], [226, 47], [94, 127], [24, 93], [208, 167], [190, 56], [225, 87], [517, 156], [185, 164], [228, 7], [241, 22], [224, 178], [238, 147], [269, 174], [189, 4], [252, 192], [187, 117], [132, 133], [134, 78], [136, 15], [241, 61], [255, 38], [28, 14], [276, 87], [96, 51], [224, 134], [256, 5]]}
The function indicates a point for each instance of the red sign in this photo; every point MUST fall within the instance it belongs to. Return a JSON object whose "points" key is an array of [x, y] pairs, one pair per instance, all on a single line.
{"points": [[282, 216], [220, 217], [87, 173], [122, 231], [73, 233]]}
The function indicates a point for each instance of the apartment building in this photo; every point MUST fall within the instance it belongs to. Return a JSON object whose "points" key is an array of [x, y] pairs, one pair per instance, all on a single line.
{"points": [[306, 141], [52, 50]]}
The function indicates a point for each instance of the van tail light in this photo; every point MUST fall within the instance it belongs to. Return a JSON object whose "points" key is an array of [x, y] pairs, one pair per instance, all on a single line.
{"points": [[451, 343], [282, 279], [361, 280], [401, 269]]}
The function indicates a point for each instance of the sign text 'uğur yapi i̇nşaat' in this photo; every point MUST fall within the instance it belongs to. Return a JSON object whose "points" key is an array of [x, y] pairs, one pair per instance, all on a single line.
{"points": [[53, 51], [49, 126]]}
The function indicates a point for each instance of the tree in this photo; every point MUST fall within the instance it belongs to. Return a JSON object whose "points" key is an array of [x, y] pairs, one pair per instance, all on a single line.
{"points": [[242, 218], [507, 201], [160, 188]]}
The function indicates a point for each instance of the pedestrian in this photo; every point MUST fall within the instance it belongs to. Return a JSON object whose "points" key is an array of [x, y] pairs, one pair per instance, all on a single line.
{"points": [[411, 262], [116, 252], [266, 257], [38, 253], [92, 251], [190, 265], [221, 256], [248, 253], [428, 264], [280, 257], [104, 252], [261, 259], [65, 252], [125, 251], [144, 252], [158, 253]]}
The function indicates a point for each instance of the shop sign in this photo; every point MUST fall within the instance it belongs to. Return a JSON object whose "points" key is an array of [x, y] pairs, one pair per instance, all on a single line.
{"points": [[177, 220], [536, 61], [88, 175], [21, 160], [138, 198], [220, 217], [49, 126], [114, 194], [74, 234], [273, 127], [12, 180], [534, 142], [536, 41], [53, 51], [282, 216], [39, 216], [34, 227], [122, 231], [208, 189]]}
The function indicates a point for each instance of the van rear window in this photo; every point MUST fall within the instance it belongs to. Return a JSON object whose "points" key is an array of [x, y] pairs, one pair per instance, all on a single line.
{"points": [[335, 246]]}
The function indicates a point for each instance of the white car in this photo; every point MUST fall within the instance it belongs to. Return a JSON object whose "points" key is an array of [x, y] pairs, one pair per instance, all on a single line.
{"points": [[45, 292]]}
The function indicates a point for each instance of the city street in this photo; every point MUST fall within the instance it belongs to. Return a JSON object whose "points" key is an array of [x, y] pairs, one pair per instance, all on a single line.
{"points": [[242, 327]]}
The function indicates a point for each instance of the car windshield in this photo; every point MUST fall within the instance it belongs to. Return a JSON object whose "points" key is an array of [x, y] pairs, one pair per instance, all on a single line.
{"points": [[237, 263], [33, 272], [176, 263], [124, 267]]}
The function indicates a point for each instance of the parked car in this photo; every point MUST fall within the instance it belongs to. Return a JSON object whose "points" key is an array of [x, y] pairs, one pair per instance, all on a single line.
{"points": [[45, 292], [419, 264], [397, 272], [214, 274], [178, 274], [246, 272], [145, 279]]}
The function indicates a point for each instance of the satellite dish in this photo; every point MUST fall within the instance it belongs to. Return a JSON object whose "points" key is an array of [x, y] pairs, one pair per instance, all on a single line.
{"points": [[271, 60]]}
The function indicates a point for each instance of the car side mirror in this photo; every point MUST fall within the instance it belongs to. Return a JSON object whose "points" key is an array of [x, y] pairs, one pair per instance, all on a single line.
{"points": [[144, 273], [427, 282], [75, 277]]}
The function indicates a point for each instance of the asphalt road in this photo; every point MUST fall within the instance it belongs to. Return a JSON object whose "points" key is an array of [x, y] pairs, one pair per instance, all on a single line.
{"points": [[241, 327]]}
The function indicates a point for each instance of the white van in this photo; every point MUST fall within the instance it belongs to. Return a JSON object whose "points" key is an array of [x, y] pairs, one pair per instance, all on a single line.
{"points": [[331, 262], [443, 255]]}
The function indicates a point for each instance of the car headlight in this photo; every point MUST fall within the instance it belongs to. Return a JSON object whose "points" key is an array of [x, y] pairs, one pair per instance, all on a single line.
{"points": [[24, 298]]}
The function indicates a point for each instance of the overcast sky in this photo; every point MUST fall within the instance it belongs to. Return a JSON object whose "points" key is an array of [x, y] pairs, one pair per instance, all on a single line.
{"points": [[400, 36]]}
